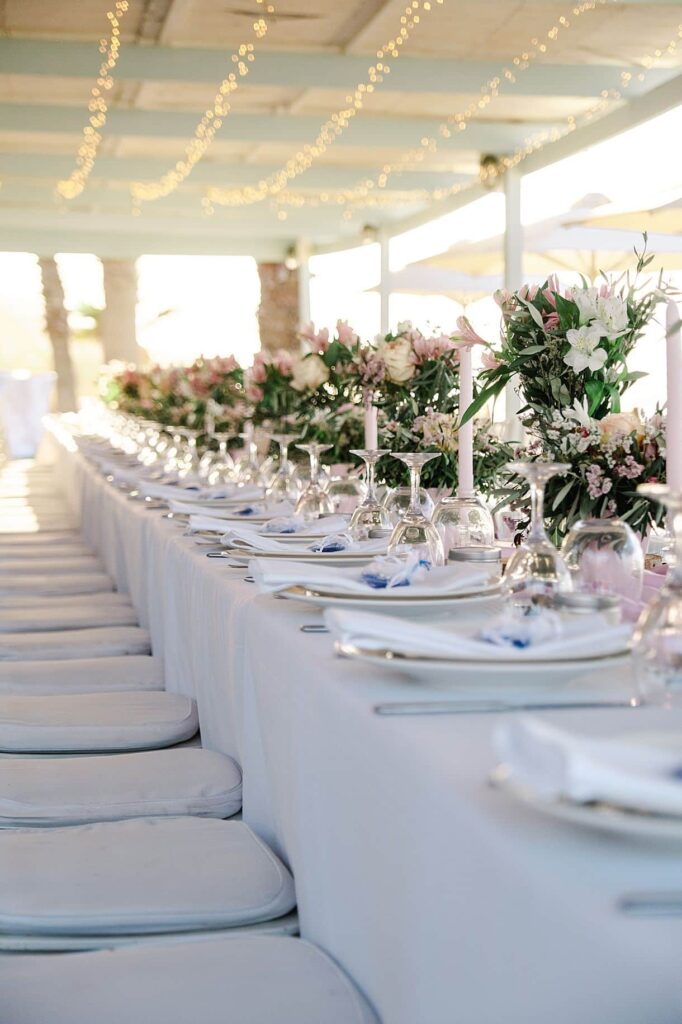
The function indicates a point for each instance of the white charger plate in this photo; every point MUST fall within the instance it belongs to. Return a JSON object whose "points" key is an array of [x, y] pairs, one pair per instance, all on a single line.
{"points": [[348, 558], [403, 603]]}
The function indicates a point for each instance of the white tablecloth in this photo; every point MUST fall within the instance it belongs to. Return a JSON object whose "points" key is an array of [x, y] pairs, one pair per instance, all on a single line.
{"points": [[443, 899]]}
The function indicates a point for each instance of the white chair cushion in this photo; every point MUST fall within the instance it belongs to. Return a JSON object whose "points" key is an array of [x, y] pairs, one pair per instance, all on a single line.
{"points": [[96, 722], [11, 565], [102, 642], [233, 980], [51, 617], [71, 583], [140, 876], [81, 675], [76, 790]]}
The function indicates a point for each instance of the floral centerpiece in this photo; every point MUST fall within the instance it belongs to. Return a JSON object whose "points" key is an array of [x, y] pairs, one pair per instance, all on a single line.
{"points": [[566, 349]]}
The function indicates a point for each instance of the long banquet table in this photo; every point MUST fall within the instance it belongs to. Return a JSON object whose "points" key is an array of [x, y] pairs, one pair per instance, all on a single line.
{"points": [[445, 900]]}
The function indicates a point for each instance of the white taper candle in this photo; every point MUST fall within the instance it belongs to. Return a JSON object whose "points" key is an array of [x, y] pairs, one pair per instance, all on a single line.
{"points": [[465, 485], [673, 430]]}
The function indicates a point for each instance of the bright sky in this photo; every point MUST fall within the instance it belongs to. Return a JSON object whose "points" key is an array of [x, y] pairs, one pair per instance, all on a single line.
{"points": [[212, 300]]}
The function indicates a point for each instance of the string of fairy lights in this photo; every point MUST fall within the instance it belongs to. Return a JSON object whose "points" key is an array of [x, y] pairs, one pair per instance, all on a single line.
{"points": [[69, 188], [210, 123]]}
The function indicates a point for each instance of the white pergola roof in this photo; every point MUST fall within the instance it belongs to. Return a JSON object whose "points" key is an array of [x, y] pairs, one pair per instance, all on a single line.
{"points": [[175, 52]]}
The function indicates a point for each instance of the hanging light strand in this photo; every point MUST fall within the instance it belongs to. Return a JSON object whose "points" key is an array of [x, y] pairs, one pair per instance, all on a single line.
{"points": [[69, 188], [211, 121], [335, 125]]}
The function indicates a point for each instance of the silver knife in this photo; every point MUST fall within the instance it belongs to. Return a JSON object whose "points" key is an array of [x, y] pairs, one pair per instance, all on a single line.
{"points": [[486, 707], [651, 904]]}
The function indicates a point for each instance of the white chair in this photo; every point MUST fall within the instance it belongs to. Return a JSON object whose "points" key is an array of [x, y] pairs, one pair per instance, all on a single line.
{"points": [[98, 642], [51, 617], [76, 790], [80, 675], [116, 882], [96, 722], [69, 583], [235, 980]]}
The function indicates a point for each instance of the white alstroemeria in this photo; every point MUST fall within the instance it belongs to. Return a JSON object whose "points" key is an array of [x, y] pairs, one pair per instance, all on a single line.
{"points": [[586, 299], [612, 315], [404, 327], [578, 412], [585, 353]]}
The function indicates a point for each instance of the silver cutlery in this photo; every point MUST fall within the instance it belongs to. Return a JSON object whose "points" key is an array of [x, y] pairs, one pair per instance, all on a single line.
{"points": [[487, 707], [313, 627], [651, 904]]}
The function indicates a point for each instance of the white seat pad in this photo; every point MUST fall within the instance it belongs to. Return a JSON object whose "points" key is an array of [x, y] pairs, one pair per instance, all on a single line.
{"points": [[76, 790], [98, 642], [81, 675], [69, 583], [233, 980], [52, 565], [96, 722], [53, 616], [140, 876]]}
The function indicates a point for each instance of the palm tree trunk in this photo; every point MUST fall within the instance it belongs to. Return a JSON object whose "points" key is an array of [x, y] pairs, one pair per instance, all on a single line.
{"points": [[58, 333]]}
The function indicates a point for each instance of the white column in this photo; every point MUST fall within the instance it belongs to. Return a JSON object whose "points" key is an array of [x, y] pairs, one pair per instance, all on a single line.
{"points": [[303, 258], [513, 279], [119, 337], [384, 284]]}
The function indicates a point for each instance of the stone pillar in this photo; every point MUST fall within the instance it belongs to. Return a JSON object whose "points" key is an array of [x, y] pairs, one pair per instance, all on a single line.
{"points": [[57, 326], [278, 310], [119, 337]]}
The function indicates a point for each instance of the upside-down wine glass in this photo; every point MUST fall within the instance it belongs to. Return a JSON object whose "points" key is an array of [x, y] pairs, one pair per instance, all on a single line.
{"points": [[657, 641], [314, 501], [370, 514], [222, 469], [189, 462], [414, 532], [284, 484], [536, 572]]}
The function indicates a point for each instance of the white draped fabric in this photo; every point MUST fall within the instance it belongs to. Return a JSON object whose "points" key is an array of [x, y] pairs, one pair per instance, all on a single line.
{"points": [[442, 898], [24, 400]]}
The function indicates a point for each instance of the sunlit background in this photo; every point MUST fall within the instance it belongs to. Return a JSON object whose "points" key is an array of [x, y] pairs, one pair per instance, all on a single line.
{"points": [[192, 305]]}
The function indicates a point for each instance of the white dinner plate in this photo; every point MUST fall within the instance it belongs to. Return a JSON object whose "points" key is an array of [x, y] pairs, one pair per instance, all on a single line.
{"points": [[403, 603], [458, 672], [605, 817], [348, 558]]}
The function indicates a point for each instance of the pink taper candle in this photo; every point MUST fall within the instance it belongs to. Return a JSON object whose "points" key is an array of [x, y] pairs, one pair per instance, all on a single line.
{"points": [[465, 486], [673, 430], [371, 423]]}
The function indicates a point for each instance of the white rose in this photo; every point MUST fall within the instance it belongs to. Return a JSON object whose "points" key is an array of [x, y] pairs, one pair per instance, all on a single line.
{"points": [[619, 423], [309, 373], [586, 299], [613, 316], [398, 357]]}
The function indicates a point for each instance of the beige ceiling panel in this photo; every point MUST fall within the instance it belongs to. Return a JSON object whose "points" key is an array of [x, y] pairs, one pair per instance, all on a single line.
{"points": [[196, 96]]}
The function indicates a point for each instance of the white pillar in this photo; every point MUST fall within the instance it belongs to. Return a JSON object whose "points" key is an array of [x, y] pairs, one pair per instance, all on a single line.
{"points": [[384, 283], [513, 279], [303, 258], [119, 337]]}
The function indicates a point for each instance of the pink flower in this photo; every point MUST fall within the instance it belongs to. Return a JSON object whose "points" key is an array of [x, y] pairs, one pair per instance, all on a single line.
{"points": [[502, 297], [253, 392], [551, 320], [550, 296], [528, 292], [432, 348], [467, 334], [283, 362], [318, 340], [489, 360], [606, 291], [345, 333], [258, 373], [552, 284]]}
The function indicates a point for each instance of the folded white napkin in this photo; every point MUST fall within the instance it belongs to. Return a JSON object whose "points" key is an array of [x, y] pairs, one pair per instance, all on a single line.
{"points": [[558, 764], [221, 520], [443, 640], [245, 537], [291, 525], [223, 503], [272, 576], [183, 491]]}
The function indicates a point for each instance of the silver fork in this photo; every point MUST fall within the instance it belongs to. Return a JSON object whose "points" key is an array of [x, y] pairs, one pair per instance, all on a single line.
{"points": [[487, 707]]}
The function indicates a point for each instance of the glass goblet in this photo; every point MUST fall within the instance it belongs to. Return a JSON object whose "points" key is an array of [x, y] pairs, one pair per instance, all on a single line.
{"points": [[222, 468], [284, 485], [189, 459], [396, 502], [464, 521], [657, 640], [370, 514], [414, 531], [314, 501], [536, 571], [604, 556]]}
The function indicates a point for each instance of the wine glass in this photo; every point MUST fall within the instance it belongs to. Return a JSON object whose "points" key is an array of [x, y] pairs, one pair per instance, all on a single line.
{"points": [[314, 500], [464, 521], [605, 556], [536, 571], [397, 500], [657, 640], [414, 532], [370, 513], [189, 461], [284, 485], [222, 468]]}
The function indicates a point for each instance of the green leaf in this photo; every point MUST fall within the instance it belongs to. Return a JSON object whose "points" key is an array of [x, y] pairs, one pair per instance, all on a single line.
{"points": [[492, 391], [535, 313], [532, 350], [569, 314], [561, 495]]}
